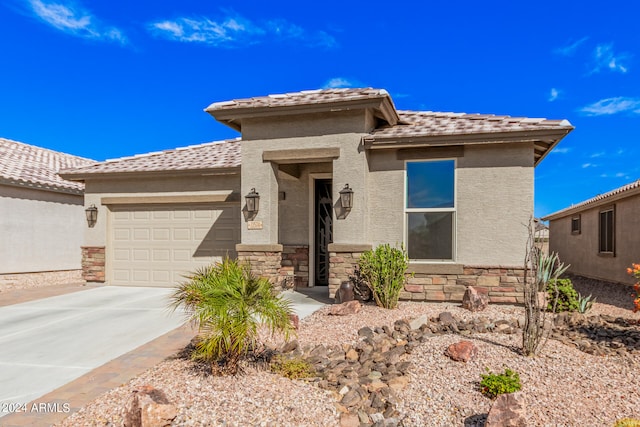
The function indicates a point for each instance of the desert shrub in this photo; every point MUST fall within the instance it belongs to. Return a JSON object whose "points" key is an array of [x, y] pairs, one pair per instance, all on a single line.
{"points": [[585, 303], [567, 295], [635, 272], [493, 385], [383, 270], [292, 367], [627, 422], [229, 305]]}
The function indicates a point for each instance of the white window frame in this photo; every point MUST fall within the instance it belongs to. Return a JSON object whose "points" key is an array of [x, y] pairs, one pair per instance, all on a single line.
{"points": [[454, 219]]}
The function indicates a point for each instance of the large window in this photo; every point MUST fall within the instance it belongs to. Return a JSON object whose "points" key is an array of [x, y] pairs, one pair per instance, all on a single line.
{"points": [[430, 210], [607, 231]]}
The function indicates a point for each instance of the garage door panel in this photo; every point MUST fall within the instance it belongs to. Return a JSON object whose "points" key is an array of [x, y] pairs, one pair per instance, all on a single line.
{"points": [[160, 245]]}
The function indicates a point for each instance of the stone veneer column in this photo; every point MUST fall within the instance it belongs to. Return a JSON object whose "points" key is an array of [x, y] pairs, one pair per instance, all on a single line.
{"points": [[343, 258], [93, 263], [264, 261], [295, 266], [502, 284]]}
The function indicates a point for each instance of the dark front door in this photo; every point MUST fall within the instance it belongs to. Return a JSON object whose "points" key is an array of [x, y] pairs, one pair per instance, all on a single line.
{"points": [[323, 230]]}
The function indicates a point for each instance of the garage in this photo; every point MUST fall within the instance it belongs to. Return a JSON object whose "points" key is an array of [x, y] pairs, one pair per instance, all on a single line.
{"points": [[157, 245]]}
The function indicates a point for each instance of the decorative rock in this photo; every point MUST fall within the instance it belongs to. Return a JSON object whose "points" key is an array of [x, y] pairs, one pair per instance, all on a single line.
{"points": [[351, 355], [418, 322], [462, 351], [398, 383], [295, 321], [446, 318], [290, 346], [349, 420], [507, 411], [345, 309], [148, 407], [473, 300]]}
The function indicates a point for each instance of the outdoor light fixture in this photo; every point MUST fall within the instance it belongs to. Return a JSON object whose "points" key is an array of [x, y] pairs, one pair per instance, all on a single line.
{"points": [[253, 201], [92, 215], [346, 198]]}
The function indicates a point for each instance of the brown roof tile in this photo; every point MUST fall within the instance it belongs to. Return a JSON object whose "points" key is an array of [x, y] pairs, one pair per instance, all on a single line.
{"points": [[28, 165], [595, 200], [211, 155], [429, 123], [305, 97]]}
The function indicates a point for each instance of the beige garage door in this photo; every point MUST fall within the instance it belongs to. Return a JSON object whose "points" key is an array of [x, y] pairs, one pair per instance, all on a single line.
{"points": [[158, 245]]}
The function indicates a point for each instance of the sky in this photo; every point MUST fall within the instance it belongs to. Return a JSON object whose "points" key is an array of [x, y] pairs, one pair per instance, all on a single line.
{"points": [[107, 79]]}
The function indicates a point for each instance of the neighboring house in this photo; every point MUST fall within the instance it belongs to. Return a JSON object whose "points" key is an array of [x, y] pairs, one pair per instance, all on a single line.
{"points": [[600, 237], [42, 217], [439, 183], [541, 235]]}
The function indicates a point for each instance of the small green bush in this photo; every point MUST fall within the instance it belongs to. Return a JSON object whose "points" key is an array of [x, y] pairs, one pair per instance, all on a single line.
{"points": [[383, 270], [627, 422], [293, 368], [567, 295], [493, 385]]}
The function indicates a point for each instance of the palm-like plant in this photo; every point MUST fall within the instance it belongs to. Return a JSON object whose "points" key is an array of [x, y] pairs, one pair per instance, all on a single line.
{"points": [[229, 305]]}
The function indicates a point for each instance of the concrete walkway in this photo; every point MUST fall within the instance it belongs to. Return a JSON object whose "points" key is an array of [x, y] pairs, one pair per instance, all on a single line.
{"points": [[84, 378]]}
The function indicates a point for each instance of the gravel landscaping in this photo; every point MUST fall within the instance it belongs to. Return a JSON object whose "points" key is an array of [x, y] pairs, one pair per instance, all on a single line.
{"points": [[564, 386]]}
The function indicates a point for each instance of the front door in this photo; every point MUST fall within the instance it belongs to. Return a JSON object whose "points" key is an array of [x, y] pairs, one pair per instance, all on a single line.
{"points": [[323, 230]]}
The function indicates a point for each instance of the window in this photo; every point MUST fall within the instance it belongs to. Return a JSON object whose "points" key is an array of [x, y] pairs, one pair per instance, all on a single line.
{"points": [[430, 210], [607, 231], [576, 226]]}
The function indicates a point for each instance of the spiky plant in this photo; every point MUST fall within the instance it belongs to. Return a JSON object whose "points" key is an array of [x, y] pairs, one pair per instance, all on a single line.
{"points": [[229, 305]]}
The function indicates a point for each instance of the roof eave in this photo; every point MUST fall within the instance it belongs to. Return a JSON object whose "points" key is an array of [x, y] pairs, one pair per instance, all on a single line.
{"points": [[42, 187], [83, 175], [233, 117], [581, 207]]}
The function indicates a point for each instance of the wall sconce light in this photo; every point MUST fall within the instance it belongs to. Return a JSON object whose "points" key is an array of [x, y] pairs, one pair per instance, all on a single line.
{"points": [[92, 215], [346, 198], [253, 201]]}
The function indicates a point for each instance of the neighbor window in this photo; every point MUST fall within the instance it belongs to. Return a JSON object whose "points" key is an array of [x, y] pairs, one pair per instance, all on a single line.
{"points": [[607, 231], [575, 225], [430, 210]]}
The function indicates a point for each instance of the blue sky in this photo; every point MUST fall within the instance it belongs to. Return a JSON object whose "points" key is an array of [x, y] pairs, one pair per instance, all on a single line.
{"points": [[105, 79]]}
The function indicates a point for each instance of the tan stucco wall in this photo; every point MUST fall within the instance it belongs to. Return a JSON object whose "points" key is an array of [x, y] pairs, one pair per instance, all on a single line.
{"points": [[97, 189], [494, 201], [41, 230], [581, 250], [284, 134]]}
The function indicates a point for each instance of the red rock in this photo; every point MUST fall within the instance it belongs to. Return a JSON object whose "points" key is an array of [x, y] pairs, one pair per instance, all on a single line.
{"points": [[148, 407], [345, 309], [295, 321], [474, 300], [508, 410], [462, 351]]}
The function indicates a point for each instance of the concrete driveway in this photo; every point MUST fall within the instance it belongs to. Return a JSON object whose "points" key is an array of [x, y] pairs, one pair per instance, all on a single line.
{"points": [[46, 343]]}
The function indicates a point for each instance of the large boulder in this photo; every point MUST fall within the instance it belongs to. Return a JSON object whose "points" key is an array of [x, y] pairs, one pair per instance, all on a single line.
{"points": [[345, 309], [148, 407], [462, 351], [508, 410], [473, 300]]}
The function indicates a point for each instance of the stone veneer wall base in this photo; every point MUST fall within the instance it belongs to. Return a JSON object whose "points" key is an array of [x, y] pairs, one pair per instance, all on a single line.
{"points": [[93, 263]]}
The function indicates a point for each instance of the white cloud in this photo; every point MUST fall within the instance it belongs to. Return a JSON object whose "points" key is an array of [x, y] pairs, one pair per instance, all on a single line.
{"points": [[562, 150], [587, 165], [611, 106], [599, 154], [339, 82], [74, 20], [571, 48], [605, 59], [553, 94], [234, 30]]}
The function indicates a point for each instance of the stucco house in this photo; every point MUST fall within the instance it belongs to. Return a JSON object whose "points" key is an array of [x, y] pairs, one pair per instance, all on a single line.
{"points": [[42, 217], [439, 183], [600, 237]]}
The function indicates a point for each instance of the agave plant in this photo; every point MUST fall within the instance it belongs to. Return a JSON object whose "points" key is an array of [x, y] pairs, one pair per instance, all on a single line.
{"points": [[230, 305], [585, 303]]}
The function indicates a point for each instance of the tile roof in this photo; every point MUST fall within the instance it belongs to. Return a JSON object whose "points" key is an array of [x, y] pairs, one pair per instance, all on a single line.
{"points": [[429, 123], [211, 155], [305, 97], [595, 200], [28, 165]]}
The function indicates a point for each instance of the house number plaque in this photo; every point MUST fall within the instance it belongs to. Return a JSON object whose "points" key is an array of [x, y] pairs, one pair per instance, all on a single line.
{"points": [[254, 225]]}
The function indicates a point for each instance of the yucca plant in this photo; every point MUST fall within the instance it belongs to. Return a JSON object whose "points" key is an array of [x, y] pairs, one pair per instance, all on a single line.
{"points": [[229, 305]]}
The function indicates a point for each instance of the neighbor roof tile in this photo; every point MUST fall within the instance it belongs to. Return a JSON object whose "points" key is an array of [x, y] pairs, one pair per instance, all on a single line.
{"points": [[28, 165]]}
